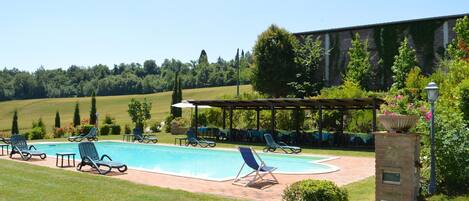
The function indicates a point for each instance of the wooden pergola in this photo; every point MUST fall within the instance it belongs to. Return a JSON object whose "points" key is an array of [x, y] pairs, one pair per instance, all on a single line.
{"points": [[319, 104]]}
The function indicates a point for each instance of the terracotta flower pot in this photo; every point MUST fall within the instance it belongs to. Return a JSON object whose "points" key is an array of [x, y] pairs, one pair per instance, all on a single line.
{"points": [[398, 123]]}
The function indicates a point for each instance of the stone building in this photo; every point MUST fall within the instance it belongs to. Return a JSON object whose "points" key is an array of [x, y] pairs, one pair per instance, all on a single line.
{"points": [[428, 36]]}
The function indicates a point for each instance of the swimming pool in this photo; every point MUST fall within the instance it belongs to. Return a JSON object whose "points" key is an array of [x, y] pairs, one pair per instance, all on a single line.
{"points": [[210, 164]]}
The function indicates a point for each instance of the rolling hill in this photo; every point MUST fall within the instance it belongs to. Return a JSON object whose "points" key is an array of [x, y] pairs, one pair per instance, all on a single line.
{"points": [[116, 106]]}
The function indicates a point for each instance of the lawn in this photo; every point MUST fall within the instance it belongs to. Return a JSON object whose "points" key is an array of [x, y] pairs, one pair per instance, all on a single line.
{"points": [[363, 190], [116, 106], [20, 181]]}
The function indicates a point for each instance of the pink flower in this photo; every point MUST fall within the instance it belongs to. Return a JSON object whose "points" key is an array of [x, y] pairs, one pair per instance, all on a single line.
{"points": [[399, 97], [428, 116]]}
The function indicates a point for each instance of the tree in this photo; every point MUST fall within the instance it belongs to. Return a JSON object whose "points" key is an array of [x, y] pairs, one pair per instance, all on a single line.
{"points": [[57, 120], [93, 111], [176, 98], [14, 126], [151, 68], [238, 71], [203, 58], [308, 58], [139, 112], [76, 115], [274, 62], [459, 48], [359, 66], [179, 93], [404, 61]]}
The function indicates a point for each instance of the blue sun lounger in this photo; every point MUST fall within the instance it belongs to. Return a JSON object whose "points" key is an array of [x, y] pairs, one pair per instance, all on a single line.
{"points": [[20, 146], [272, 145], [259, 170], [91, 136], [140, 137], [89, 156], [194, 141]]}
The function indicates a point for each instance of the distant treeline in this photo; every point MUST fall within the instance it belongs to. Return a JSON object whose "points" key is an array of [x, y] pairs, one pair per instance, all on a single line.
{"points": [[122, 79]]}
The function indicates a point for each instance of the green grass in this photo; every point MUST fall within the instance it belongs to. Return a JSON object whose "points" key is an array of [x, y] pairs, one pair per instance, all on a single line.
{"points": [[448, 198], [363, 190], [116, 106], [20, 181]]}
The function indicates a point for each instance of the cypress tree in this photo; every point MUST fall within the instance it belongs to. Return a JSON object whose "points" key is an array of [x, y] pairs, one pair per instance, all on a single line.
{"points": [[14, 126], [178, 111], [93, 110], [76, 116], [57, 120], [175, 112], [237, 67]]}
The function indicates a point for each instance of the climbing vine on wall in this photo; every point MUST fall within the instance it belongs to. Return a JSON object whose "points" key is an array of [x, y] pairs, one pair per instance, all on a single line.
{"points": [[423, 36], [387, 39], [334, 57]]}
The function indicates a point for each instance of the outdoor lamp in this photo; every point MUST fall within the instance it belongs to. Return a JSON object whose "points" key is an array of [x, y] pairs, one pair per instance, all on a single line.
{"points": [[432, 92]]}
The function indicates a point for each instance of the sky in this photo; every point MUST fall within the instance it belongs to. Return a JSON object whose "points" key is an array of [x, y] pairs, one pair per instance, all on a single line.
{"points": [[57, 33]]}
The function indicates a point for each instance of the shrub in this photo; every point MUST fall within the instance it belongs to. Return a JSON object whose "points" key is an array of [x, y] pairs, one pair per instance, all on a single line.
{"points": [[37, 133], [167, 123], [27, 135], [180, 122], [464, 105], [314, 190], [85, 128], [127, 129], [115, 129], [155, 127], [415, 84], [108, 119], [105, 129], [59, 132]]}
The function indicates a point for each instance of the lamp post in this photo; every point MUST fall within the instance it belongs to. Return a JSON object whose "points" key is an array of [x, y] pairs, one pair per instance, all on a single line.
{"points": [[432, 92]]}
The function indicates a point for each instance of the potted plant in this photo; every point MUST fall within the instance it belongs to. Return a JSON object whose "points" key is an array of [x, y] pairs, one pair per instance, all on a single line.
{"points": [[399, 115]]}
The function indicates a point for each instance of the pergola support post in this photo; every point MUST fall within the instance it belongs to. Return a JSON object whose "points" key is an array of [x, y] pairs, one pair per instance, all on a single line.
{"points": [[196, 120], [297, 121], [258, 119], [272, 119], [374, 116], [320, 125], [231, 121], [224, 118]]}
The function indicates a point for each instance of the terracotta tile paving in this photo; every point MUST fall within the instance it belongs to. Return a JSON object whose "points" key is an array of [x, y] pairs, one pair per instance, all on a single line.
{"points": [[351, 169]]}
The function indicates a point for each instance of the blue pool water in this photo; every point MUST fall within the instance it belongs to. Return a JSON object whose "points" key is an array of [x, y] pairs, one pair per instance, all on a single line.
{"points": [[210, 164]]}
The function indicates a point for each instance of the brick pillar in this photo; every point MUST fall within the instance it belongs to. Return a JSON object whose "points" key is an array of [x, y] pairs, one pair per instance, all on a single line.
{"points": [[397, 169]]}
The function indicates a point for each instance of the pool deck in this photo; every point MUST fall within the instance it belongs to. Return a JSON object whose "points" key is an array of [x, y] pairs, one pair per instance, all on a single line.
{"points": [[352, 169]]}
